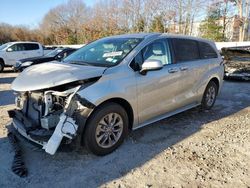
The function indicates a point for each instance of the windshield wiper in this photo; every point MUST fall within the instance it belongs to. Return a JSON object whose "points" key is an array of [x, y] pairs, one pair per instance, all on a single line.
{"points": [[80, 63], [88, 64]]}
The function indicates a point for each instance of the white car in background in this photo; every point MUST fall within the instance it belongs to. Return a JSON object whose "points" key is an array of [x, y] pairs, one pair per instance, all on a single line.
{"points": [[13, 51]]}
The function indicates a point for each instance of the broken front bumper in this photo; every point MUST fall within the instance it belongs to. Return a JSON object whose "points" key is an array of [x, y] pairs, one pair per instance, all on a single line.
{"points": [[20, 127], [49, 139]]}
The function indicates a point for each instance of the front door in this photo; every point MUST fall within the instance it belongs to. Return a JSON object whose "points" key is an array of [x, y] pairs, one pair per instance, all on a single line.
{"points": [[15, 52], [157, 91]]}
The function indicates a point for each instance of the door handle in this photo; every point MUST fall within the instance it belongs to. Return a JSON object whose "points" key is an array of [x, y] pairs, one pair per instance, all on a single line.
{"points": [[183, 68], [172, 70]]}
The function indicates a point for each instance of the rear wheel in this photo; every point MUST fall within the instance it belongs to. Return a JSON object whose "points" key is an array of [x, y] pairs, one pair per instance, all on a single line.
{"points": [[209, 96], [1, 66], [106, 129]]}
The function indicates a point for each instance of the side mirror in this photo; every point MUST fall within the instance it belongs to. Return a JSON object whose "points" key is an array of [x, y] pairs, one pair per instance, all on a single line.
{"points": [[59, 57], [9, 50], [151, 65]]}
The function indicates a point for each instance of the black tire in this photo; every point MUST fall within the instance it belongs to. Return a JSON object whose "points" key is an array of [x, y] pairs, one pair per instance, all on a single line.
{"points": [[1, 66], [89, 137], [207, 104]]}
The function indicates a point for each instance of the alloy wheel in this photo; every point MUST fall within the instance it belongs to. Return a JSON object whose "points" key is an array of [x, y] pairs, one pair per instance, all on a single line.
{"points": [[109, 130], [210, 96]]}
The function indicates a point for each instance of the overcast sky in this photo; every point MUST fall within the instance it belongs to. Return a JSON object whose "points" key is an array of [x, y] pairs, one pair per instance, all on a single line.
{"points": [[28, 12]]}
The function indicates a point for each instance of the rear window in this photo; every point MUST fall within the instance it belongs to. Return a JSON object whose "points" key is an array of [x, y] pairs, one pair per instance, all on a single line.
{"points": [[185, 50], [31, 46], [207, 51]]}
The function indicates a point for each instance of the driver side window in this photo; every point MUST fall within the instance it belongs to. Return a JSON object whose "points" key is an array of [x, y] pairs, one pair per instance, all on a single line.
{"points": [[157, 50], [16, 47]]}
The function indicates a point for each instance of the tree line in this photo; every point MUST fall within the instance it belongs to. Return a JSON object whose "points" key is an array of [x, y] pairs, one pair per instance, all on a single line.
{"points": [[75, 23]]}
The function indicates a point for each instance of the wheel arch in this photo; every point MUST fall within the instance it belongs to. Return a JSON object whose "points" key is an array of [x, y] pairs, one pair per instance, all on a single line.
{"points": [[123, 103], [216, 81], [2, 64], [2, 60]]}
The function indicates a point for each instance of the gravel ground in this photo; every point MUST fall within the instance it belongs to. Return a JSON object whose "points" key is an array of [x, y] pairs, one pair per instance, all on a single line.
{"points": [[191, 149]]}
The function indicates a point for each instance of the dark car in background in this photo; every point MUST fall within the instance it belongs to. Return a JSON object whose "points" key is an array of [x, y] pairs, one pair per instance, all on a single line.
{"points": [[237, 62], [57, 54]]}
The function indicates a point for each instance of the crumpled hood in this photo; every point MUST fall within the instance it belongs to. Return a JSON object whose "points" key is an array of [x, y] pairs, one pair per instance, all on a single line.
{"points": [[49, 75]]}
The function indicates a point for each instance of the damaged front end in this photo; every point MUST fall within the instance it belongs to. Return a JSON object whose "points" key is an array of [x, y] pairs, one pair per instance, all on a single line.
{"points": [[46, 117]]}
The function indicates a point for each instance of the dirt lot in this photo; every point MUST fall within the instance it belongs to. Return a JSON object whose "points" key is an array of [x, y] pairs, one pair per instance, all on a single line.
{"points": [[192, 149]]}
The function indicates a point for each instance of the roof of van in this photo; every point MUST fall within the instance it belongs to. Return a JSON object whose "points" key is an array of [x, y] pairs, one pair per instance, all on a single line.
{"points": [[16, 42], [185, 37], [145, 35], [134, 35]]}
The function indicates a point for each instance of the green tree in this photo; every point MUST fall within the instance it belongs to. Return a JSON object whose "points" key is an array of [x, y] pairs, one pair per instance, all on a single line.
{"points": [[210, 27], [157, 24]]}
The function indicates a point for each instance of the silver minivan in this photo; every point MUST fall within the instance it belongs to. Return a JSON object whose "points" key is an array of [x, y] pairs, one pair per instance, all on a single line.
{"points": [[114, 85]]}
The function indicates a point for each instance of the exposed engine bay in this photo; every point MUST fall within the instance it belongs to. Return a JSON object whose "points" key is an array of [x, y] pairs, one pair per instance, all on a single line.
{"points": [[47, 116]]}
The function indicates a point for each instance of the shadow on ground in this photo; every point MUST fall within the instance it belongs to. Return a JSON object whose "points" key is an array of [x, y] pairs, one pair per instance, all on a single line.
{"points": [[7, 97], [6, 80]]}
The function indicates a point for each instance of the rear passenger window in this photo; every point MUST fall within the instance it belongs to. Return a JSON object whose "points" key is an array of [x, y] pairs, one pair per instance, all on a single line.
{"points": [[31, 46], [207, 51], [185, 50]]}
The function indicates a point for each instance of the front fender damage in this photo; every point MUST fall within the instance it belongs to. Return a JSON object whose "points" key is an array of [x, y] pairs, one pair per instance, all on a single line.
{"points": [[67, 126]]}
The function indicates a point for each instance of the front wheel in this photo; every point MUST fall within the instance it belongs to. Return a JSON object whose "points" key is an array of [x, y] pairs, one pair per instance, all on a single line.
{"points": [[209, 96], [106, 129]]}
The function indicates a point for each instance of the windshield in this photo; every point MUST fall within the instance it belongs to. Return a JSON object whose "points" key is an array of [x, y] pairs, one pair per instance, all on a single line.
{"points": [[4, 46], [103, 52], [54, 52]]}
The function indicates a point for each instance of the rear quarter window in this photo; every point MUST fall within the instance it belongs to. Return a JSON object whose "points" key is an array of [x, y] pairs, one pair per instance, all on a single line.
{"points": [[31, 46], [185, 50], [207, 51]]}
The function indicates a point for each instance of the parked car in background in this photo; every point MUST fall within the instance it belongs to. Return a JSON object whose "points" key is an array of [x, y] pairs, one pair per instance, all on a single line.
{"points": [[114, 85], [58, 54], [237, 62], [13, 51], [50, 48]]}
